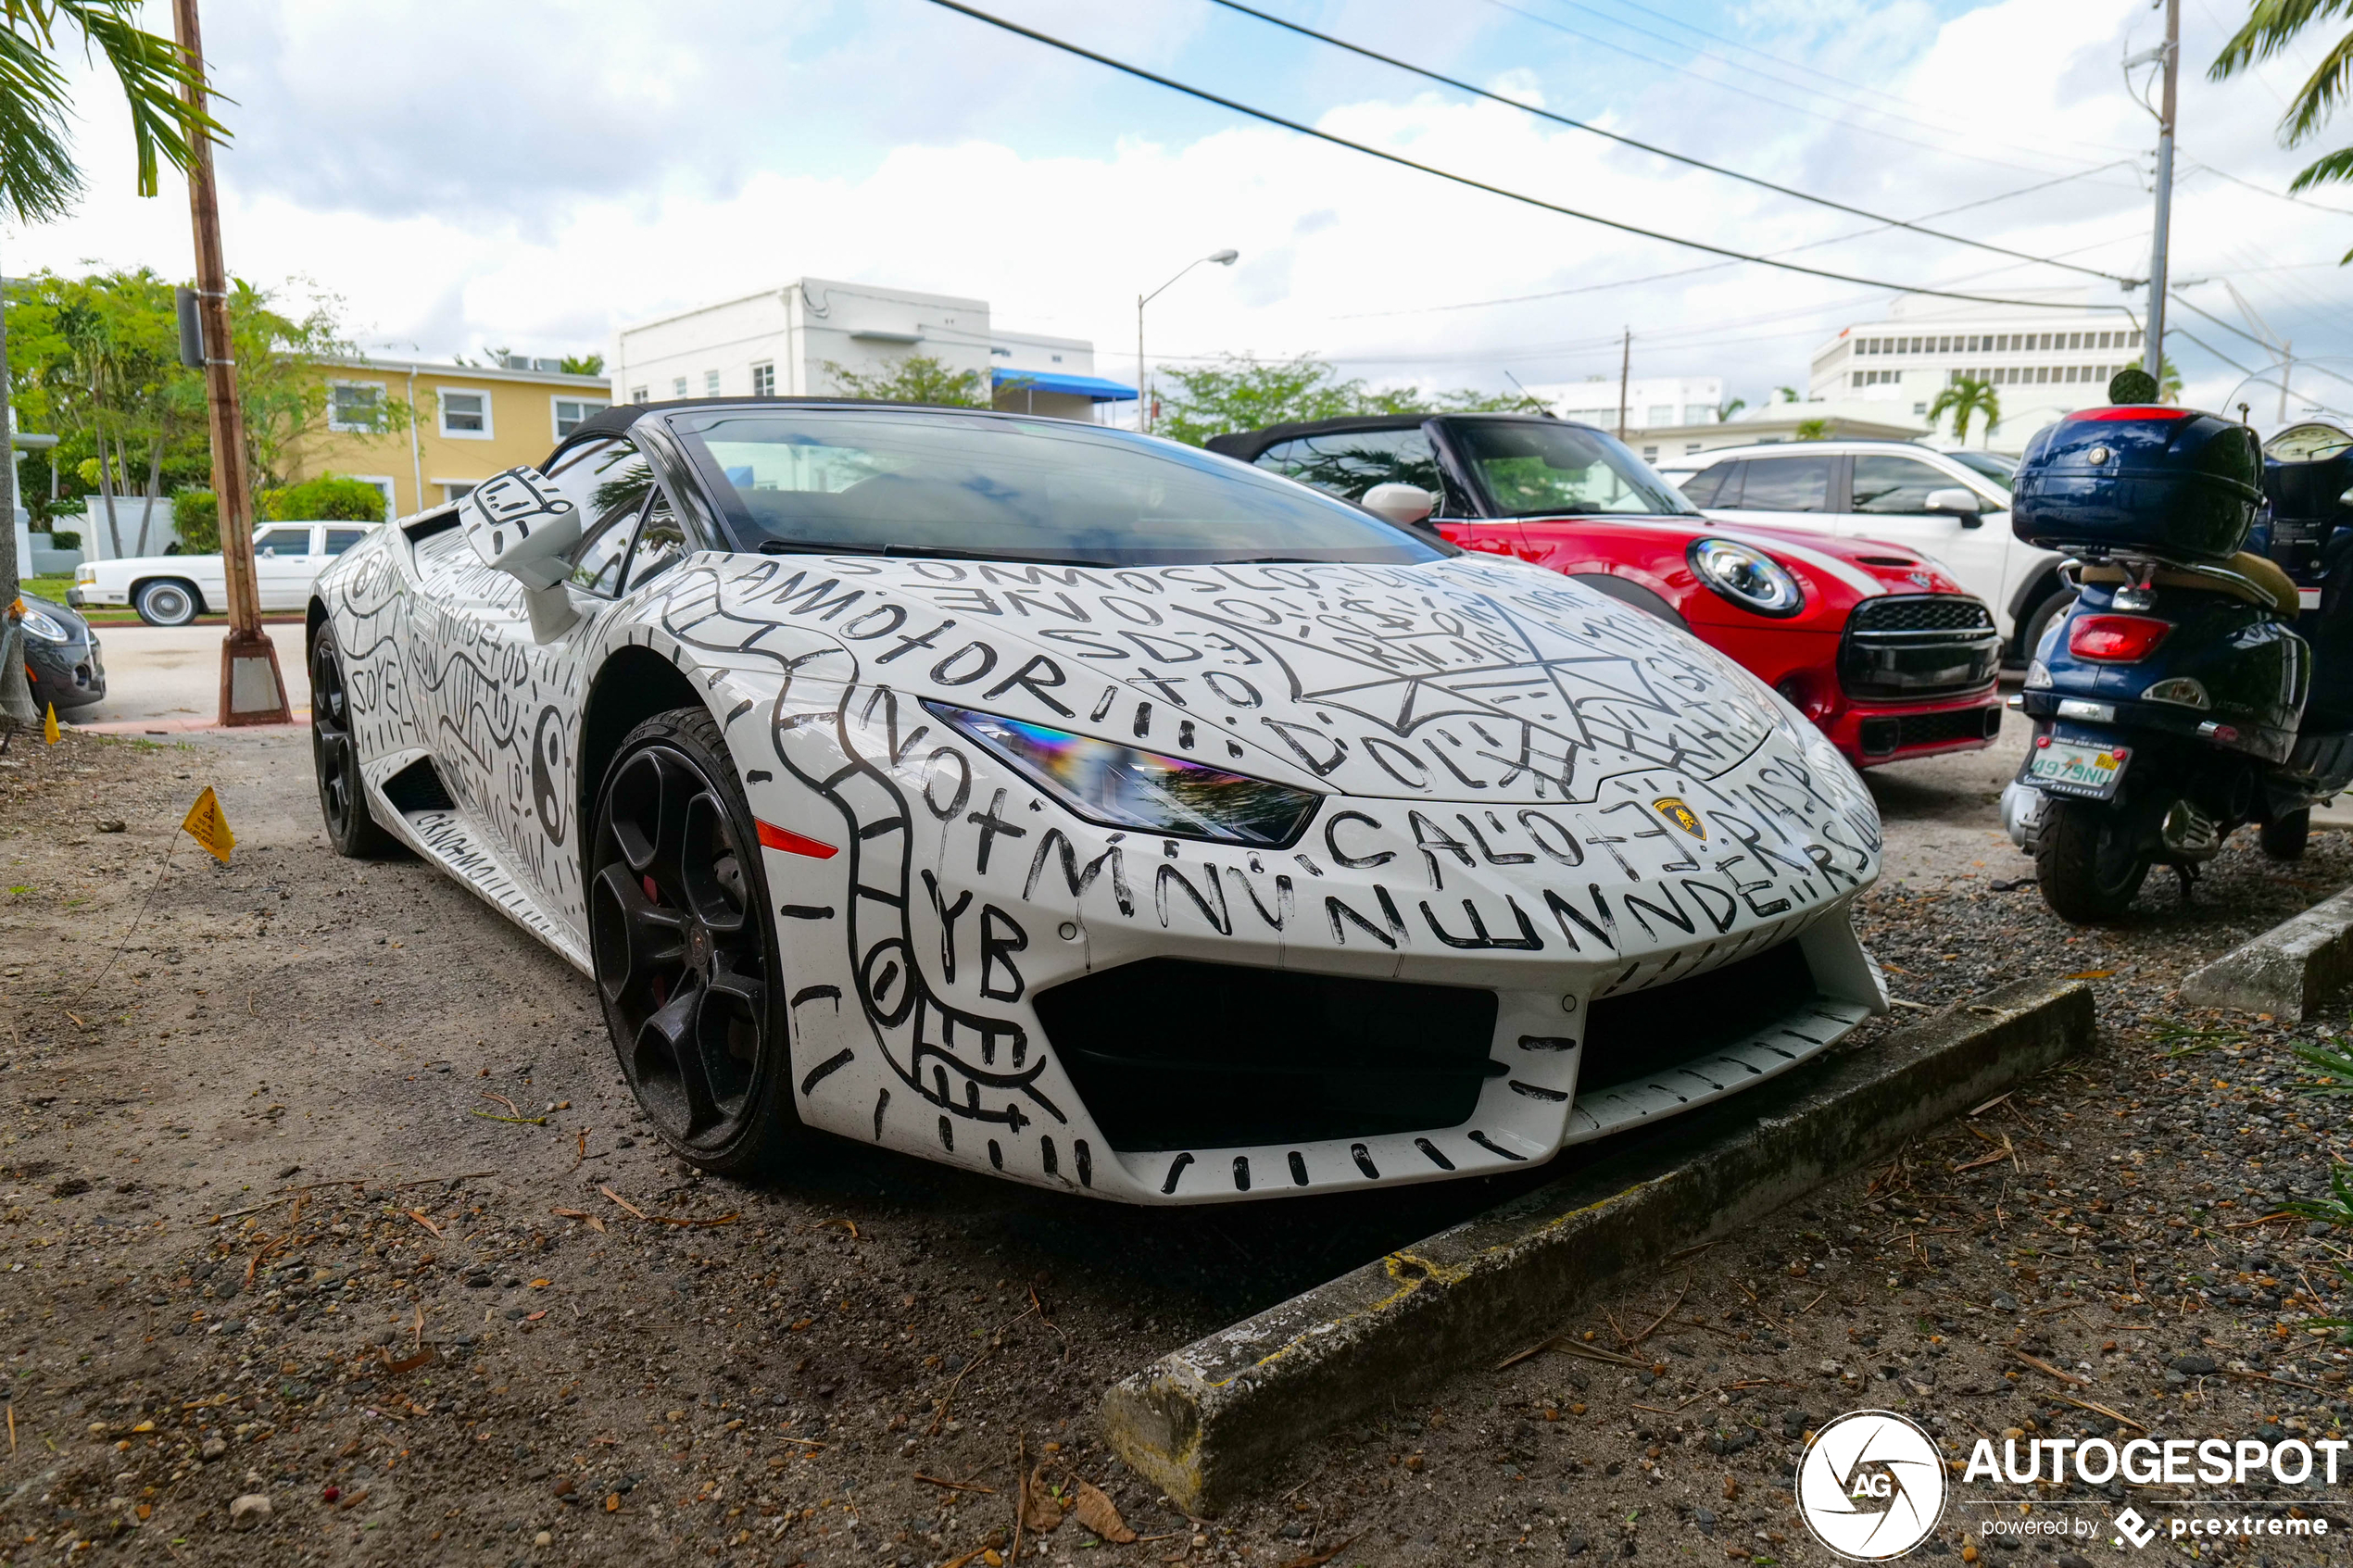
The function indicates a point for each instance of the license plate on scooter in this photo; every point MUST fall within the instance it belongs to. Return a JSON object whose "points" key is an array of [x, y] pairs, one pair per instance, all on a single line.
{"points": [[2073, 768]]}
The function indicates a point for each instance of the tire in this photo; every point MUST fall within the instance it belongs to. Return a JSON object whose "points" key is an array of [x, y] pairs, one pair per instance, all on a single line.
{"points": [[2087, 863], [2282, 837], [168, 601], [2038, 620], [351, 824], [682, 933]]}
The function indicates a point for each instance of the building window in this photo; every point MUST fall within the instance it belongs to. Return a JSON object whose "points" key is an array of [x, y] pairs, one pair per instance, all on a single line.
{"points": [[1919, 410], [571, 412], [464, 415], [2136, 340], [639, 395], [1650, 454], [1661, 414], [710, 384], [454, 489], [356, 406], [677, 386], [764, 379]]}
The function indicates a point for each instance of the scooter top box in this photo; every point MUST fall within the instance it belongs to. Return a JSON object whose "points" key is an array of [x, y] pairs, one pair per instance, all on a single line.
{"points": [[2171, 481]]}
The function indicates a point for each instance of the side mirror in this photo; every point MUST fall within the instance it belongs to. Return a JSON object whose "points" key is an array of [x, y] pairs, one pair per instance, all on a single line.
{"points": [[1958, 502], [519, 525], [1403, 504]]}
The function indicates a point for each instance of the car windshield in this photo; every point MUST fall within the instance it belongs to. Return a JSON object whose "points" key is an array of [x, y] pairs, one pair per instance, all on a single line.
{"points": [[1532, 467], [903, 483], [1993, 465]]}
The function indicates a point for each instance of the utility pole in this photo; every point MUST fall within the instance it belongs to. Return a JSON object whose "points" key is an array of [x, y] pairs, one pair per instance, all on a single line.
{"points": [[252, 691], [1625, 363], [2287, 366], [2153, 362]]}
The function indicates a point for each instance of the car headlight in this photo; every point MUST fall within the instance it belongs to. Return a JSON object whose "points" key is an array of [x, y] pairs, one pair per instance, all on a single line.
{"points": [[1750, 578], [1120, 786], [45, 627]]}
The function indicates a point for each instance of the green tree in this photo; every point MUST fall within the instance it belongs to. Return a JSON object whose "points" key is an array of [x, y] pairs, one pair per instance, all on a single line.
{"points": [[581, 364], [1239, 394], [919, 378], [2272, 26], [331, 498], [1724, 412], [1813, 429], [40, 180], [1965, 400]]}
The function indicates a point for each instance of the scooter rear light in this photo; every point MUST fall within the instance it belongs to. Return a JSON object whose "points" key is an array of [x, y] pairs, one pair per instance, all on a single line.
{"points": [[2116, 639], [2133, 411]]}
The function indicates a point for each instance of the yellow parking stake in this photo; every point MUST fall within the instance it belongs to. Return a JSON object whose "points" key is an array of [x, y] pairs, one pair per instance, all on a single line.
{"points": [[50, 725], [207, 824]]}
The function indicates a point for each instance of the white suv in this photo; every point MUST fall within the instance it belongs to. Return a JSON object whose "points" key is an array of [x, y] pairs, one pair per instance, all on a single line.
{"points": [[1907, 494], [174, 590]]}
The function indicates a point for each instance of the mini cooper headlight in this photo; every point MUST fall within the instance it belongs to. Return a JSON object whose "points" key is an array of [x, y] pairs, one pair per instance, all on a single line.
{"points": [[1750, 578], [45, 627], [1120, 786]]}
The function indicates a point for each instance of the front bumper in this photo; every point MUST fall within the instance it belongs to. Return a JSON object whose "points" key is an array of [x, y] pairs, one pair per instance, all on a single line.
{"points": [[65, 675], [1869, 734], [1002, 999]]}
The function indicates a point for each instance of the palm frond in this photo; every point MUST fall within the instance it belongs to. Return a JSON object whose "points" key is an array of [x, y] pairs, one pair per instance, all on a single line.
{"points": [[2337, 165], [2271, 25], [156, 82], [2321, 92], [38, 179]]}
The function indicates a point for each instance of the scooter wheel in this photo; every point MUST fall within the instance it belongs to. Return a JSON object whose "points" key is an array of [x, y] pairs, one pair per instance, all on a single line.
{"points": [[2087, 863], [2282, 837]]}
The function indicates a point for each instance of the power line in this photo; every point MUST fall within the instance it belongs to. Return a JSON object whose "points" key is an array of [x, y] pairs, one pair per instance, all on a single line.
{"points": [[1943, 150], [1465, 179], [1717, 266], [2266, 191], [1656, 151]]}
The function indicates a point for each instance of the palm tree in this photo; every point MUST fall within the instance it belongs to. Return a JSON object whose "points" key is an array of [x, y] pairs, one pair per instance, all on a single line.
{"points": [[1965, 400], [2272, 26], [39, 182]]}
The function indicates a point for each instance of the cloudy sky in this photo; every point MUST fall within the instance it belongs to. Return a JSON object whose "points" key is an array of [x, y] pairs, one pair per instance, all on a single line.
{"points": [[533, 175]]}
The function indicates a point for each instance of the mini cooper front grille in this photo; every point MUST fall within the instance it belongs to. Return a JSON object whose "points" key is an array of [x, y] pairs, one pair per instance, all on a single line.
{"points": [[1921, 612], [1178, 1054], [1642, 1032], [1923, 645]]}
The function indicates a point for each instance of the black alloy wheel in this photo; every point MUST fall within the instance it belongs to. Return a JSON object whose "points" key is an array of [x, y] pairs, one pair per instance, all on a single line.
{"points": [[342, 796], [685, 949]]}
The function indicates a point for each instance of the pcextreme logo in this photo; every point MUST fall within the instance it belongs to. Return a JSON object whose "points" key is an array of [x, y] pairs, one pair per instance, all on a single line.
{"points": [[1871, 1485]]}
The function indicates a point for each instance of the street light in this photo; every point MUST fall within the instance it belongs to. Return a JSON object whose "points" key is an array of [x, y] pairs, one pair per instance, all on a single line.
{"points": [[1143, 392]]}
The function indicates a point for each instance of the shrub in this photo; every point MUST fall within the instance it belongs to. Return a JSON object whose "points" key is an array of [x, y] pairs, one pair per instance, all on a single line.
{"points": [[331, 498], [195, 517]]}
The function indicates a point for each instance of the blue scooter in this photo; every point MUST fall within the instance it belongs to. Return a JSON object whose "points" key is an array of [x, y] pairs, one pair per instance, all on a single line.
{"points": [[2179, 699]]}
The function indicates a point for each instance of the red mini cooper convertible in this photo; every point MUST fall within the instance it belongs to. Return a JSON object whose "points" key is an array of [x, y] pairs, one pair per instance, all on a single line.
{"points": [[1873, 642]]}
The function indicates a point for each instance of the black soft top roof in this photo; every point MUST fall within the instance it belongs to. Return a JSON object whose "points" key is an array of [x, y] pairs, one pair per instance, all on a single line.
{"points": [[1246, 445], [617, 419]]}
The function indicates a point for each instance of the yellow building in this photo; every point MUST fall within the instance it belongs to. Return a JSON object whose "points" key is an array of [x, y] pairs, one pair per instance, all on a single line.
{"points": [[470, 421]]}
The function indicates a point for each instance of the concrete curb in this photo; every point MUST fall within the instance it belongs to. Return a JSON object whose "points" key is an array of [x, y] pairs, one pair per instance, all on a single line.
{"points": [[1212, 1421], [2287, 970]]}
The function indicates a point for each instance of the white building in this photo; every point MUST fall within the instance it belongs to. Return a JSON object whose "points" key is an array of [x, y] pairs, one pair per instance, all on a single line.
{"points": [[783, 342], [1651, 402], [2042, 363]]}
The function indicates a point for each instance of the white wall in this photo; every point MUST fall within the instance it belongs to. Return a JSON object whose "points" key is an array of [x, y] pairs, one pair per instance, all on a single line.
{"points": [[798, 329]]}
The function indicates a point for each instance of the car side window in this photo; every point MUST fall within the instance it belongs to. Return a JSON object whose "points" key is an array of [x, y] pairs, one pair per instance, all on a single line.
{"points": [[1702, 487], [282, 541], [609, 481], [662, 543], [1886, 484], [341, 539], [1348, 463], [1785, 484]]}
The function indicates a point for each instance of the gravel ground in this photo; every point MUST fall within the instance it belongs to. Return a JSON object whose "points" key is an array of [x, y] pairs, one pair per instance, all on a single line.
{"points": [[268, 1233]]}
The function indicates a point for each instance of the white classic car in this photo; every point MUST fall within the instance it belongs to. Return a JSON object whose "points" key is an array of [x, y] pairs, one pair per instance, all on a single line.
{"points": [[174, 590], [1086, 808]]}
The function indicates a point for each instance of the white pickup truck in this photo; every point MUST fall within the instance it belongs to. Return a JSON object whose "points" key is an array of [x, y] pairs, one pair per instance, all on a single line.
{"points": [[174, 590]]}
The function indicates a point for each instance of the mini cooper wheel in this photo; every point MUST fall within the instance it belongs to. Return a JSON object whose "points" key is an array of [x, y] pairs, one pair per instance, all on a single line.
{"points": [[683, 944], [167, 602], [343, 797]]}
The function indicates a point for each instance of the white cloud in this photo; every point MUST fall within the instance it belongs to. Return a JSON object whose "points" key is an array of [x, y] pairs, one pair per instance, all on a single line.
{"points": [[533, 177]]}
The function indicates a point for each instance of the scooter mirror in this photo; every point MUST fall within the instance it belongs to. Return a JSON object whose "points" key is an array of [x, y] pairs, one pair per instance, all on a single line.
{"points": [[1406, 504], [2346, 499]]}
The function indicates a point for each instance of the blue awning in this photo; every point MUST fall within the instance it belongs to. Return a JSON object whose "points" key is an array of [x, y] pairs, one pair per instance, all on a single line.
{"points": [[1094, 387]]}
